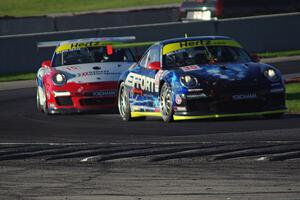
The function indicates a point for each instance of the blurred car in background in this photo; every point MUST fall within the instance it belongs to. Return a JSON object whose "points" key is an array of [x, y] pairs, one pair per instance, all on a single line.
{"points": [[214, 9]]}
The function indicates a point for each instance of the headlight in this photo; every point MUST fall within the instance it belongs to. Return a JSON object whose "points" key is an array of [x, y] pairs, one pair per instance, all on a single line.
{"points": [[271, 75], [188, 81], [59, 79]]}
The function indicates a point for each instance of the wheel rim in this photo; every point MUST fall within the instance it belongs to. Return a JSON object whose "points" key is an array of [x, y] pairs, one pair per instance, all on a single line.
{"points": [[123, 102], [38, 102], [165, 102], [43, 100]]}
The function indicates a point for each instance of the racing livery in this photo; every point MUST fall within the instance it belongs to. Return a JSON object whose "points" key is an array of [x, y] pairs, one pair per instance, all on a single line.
{"points": [[197, 78], [82, 75]]}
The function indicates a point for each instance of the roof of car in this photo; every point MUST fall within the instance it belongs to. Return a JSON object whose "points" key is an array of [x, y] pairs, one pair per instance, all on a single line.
{"points": [[195, 38]]}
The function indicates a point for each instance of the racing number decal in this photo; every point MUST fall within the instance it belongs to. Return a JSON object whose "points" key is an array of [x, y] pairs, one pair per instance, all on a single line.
{"points": [[190, 68]]}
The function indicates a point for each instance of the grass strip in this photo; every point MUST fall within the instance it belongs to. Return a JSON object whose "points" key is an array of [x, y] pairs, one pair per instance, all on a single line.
{"points": [[17, 77], [20, 8], [293, 97]]}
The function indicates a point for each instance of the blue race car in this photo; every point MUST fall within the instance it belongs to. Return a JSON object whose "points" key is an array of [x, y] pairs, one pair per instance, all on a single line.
{"points": [[198, 78]]}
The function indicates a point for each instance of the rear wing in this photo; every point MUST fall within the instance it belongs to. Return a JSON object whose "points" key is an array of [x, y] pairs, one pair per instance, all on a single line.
{"points": [[86, 40]]}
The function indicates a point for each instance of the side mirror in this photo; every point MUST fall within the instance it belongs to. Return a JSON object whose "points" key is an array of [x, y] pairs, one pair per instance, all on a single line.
{"points": [[46, 64], [154, 66], [254, 57]]}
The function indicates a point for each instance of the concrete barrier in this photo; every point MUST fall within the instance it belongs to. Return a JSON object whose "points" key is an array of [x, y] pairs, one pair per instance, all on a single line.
{"points": [[39, 24], [20, 53], [257, 34], [116, 19], [12, 26], [261, 34]]}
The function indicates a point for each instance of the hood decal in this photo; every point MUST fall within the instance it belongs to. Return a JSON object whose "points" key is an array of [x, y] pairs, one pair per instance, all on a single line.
{"points": [[94, 72], [227, 71]]}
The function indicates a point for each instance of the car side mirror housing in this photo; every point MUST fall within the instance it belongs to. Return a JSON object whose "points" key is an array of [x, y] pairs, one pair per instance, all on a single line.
{"points": [[46, 64], [154, 65], [255, 58]]}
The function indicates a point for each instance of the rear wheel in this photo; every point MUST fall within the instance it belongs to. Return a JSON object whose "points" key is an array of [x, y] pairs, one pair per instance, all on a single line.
{"points": [[124, 106], [123, 103], [166, 103]]}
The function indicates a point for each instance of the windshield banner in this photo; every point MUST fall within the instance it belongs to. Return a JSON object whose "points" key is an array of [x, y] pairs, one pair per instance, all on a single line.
{"points": [[168, 48]]}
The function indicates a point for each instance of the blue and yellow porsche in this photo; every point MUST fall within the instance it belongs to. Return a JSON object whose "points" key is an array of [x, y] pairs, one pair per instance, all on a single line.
{"points": [[198, 78]]}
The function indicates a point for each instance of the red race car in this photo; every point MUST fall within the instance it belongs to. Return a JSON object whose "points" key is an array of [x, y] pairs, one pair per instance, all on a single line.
{"points": [[82, 75]]}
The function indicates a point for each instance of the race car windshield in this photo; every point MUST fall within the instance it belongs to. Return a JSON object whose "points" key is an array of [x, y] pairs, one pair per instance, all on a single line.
{"points": [[92, 55], [205, 55]]}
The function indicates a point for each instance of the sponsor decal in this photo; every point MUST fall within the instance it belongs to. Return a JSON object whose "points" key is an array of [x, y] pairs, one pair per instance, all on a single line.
{"points": [[244, 96], [277, 90], [79, 45], [140, 82], [80, 89], [178, 99], [168, 48], [158, 76], [190, 68], [104, 93], [72, 68], [96, 73]]}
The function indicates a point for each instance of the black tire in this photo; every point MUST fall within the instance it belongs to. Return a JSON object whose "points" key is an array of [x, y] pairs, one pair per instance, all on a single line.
{"points": [[124, 106], [38, 105], [123, 103], [44, 106], [274, 116], [166, 103]]}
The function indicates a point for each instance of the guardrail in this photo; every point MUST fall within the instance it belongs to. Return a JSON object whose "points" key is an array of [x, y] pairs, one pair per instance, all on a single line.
{"points": [[257, 34]]}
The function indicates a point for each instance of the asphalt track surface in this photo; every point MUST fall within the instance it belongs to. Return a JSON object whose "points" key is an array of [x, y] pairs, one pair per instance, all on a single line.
{"points": [[20, 122], [99, 156]]}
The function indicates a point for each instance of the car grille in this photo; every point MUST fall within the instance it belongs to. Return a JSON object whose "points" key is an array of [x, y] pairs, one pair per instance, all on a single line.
{"points": [[241, 106], [227, 104], [97, 101], [64, 101]]}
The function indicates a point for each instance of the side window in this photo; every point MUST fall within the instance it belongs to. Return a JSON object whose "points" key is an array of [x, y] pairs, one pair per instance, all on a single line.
{"points": [[57, 61], [143, 61], [152, 55]]}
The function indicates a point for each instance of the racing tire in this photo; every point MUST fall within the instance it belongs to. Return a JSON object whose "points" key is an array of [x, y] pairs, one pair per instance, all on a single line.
{"points": [[44, 106], [166, 103], [38, 103], [123, 103]]}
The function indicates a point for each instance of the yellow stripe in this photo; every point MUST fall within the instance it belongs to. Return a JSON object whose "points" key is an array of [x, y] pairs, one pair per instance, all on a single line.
{"points": [[77, 45], [198, 43], [177, 117], [146, 114]]}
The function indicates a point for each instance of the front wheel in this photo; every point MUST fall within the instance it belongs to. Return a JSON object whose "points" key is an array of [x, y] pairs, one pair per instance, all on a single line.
{"points": [[38, 101], [43, 101], [166, 103]]}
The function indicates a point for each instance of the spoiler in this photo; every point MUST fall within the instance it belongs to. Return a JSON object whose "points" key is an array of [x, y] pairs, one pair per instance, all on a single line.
{"points": [[100, 39]]}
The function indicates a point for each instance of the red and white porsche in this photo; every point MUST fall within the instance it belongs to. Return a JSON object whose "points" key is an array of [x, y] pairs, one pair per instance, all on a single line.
{"points": [[82, 75]]}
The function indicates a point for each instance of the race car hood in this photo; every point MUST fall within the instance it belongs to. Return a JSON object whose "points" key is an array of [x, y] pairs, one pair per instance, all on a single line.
{"points": [[94, 72], [224, 72]]}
